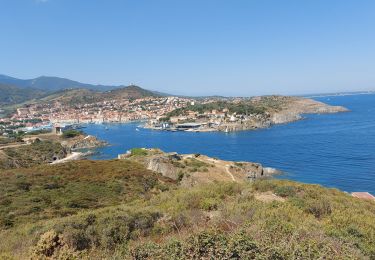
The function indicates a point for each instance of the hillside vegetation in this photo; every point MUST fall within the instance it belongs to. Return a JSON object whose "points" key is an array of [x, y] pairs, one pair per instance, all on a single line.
{"points": [[10, 94], [119, 210], [87, 96], [50, 84], [259, 105], [48, 89], [23, 155]]}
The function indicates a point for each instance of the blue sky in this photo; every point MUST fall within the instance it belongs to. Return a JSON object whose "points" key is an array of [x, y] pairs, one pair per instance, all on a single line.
{"points": [[194, 47]]}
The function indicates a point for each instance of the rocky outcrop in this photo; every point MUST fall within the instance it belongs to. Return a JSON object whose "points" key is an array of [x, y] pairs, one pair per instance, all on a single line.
{"points": [[84, 142], [284, 117], [252, 124], [193, 169], [165, 164]]}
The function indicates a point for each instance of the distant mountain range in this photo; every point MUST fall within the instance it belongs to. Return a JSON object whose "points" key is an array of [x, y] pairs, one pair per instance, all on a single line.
{"points": [[15, 91], [51, 84]]}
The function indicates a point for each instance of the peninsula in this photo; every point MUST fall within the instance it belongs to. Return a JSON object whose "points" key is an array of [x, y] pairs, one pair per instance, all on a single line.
{"points": [[240, 114]]}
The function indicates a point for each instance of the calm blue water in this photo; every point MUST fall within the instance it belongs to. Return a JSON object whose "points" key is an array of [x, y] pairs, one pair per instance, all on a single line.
{"points": [[336, 150]]}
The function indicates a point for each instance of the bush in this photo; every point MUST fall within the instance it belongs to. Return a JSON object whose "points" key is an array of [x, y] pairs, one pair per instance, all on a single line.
{"points": [[209, 204], [264, 185], [47, 245], [71, 133], [114, 234], [138, 152], [23, 185], [285, 191], [52, 246], [319, 208], [77, 239], [180, 176], [6, 221]]}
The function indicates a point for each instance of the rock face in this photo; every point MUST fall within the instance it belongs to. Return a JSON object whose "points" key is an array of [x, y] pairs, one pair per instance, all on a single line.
{"points": [[193, 169], [164, 164]]}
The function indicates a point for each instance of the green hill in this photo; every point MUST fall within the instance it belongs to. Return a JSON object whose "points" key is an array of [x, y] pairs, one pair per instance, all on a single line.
{"points": [[55, 84], [10, 94], [119, 210], [132, 92], [50, 84], [86, 96], [15, 91]]}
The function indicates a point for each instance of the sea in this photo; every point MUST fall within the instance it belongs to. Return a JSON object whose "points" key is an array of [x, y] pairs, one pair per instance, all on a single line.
{"points": [[333, 150]]}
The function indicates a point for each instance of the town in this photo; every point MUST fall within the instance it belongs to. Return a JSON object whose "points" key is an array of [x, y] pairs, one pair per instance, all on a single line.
{"points": [[40, 116]]}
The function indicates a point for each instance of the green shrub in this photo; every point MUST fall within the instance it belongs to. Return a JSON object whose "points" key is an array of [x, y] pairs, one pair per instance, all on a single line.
{"points": [[285, 191], [138, 152], [48, 243], [319, 208], [180, 176], [25, 186], [264, 185], [209, 204], [71, 133], [77, 239], [7, 221], [114, 234]]}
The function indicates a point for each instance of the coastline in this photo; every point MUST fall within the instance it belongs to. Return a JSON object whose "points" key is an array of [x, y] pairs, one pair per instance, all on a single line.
{"points": [[293, 109], [306, 151]]}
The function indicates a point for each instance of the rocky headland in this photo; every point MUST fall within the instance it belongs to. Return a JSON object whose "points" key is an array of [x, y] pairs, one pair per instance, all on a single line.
{"points": [[84, 142], [242, 114], [192, 169], [289, 109]]}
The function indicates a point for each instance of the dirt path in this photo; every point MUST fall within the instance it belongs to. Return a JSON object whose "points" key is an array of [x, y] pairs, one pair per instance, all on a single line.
{"points": [[220, 164], [12, 146], [70, 157], [228, 171]]}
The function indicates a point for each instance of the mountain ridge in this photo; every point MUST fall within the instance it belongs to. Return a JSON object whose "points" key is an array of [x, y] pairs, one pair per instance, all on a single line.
{"points": [[51, 83], [15, 91]]}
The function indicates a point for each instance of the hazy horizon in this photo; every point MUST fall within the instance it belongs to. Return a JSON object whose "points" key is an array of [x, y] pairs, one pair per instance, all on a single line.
{"points": [[196, 48]]}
